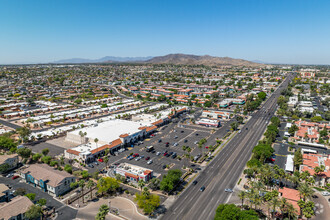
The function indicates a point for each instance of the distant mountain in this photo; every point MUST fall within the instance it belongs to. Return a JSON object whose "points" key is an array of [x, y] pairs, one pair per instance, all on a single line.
{"points": [[104, 59], [186, 59]]}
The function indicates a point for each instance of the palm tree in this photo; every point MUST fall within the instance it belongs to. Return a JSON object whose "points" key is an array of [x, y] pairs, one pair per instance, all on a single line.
{"points": [[242, 196], [106, 160], [275, 203], [81, 185], [146, 191], [90, 185], [292, 211], [141, 184], [283, 206], [81, 136], [96, 140], [305, 191]]}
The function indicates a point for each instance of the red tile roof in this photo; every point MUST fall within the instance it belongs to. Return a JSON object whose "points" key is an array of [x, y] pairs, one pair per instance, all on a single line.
{"points": [[70, 151]]}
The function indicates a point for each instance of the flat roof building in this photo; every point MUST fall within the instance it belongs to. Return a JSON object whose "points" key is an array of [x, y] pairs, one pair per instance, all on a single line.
{"points": [[133, 173]]}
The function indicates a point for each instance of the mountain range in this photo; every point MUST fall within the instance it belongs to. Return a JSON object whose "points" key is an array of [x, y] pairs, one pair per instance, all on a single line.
{"points": [[177, 59], [104, 59]]}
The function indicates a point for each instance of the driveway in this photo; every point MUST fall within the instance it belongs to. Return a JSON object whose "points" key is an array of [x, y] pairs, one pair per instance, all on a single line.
{"points": [[126, 208]]}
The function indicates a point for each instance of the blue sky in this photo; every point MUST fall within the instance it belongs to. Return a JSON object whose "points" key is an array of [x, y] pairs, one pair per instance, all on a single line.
{"points": [[285, 31]]}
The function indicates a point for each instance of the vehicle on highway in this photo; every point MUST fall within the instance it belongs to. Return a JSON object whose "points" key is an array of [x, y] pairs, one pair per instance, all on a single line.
{"points": [[158, 153], [229, 190], [195, 182], [149, 162], [239, 131], [15, 177], [202, 189], [246, 128]]}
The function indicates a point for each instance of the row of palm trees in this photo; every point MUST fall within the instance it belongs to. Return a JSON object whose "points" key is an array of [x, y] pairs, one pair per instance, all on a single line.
{"points": [[265, 178]]}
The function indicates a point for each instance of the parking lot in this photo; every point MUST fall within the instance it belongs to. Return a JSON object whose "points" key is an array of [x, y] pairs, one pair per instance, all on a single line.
{"points": [[171, 138]]}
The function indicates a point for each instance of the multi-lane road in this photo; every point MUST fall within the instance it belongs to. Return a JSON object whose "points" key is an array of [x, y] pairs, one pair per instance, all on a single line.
{"points": [[224, 171]]}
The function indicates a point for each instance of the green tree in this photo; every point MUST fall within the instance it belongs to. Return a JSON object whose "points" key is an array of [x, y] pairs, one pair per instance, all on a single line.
{"points": [[68, 168], [33, 213], [262, 95], [31, 196], [90, 184], [103, 212], [154, 184], [298, 158], [4, 167], [85, 174], [46, 159], [36, 157], [82, 184], [53, 163], [107, 184], [305, 191], [45, 151], [234, 126], [42, 202], [24, 133], [141, 184], [24, 152], [146, 201], [170, 180]]}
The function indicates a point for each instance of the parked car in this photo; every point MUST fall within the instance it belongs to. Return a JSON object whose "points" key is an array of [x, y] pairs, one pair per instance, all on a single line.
{"points": [[131, 158], [135, 155], [149, 162], [229, 190], [9, 175], [96, 163], [160, 140], [175, 137], [137, 158], [196, 134], [325, 193], [182, 131], [90, 165], [164, 166], [185, 140], [100, 160], [147, 158], [158, 153], [15, 177], [142, 156]]}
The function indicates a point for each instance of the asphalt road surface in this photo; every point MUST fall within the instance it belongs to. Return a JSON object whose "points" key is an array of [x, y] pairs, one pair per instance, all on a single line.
{"points": [[224, 171]]}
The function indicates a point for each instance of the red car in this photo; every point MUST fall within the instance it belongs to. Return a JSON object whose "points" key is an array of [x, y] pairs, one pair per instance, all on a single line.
{"points": [[100, 160], [15, 177], [165, 154], [135, 155], [147, 158]]}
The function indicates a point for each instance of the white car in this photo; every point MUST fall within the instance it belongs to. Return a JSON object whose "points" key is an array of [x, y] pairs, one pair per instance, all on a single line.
{"points": [[326, 193], [149, 162], [137, 159], [158, 153]]}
